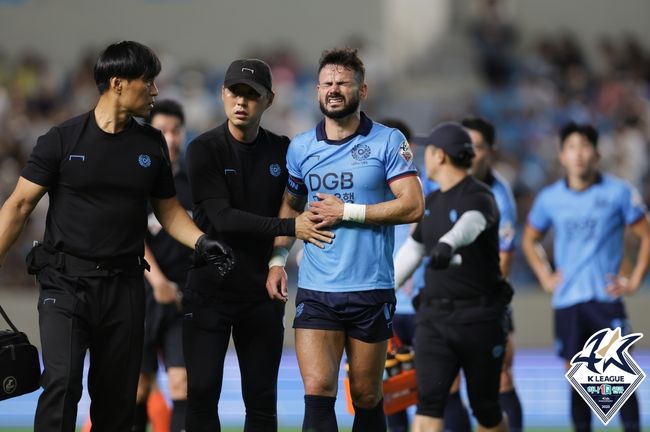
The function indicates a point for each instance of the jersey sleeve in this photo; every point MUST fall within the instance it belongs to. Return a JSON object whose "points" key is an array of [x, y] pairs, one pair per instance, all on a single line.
{"points": [[206, 174], [399, 157], [164, 186], [43, 164], [538, 217], [508, 220], [295, 181], [632, 204]]}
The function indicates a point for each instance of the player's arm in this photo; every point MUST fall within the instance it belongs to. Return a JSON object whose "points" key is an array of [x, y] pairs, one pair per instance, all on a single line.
{"points": [[175, 220], [16, 210], [621, 286], [407, 260], [537, 258], [164, 290], [407, 207], [505, 262]]}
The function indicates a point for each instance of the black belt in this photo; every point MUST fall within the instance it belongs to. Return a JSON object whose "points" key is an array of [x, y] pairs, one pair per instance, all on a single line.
{"points": [[451, 304]]}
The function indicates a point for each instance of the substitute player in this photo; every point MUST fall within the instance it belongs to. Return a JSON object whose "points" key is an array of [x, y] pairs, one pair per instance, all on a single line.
{"points": [[238, 175], [589, 211], [460, 310], [100, 169], [358, 178]]}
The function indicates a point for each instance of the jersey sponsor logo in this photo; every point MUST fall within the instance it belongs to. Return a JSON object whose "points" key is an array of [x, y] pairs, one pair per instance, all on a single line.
{"points": [[82, 158], [405, 152], [604, 373], [275, 170], [144, 161], [331, 181], [9, 384], [360, 152], [453, 215]]}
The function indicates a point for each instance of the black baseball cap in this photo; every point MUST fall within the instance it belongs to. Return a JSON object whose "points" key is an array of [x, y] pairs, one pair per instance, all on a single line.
{"points": [[452, 138], [252, 72]]}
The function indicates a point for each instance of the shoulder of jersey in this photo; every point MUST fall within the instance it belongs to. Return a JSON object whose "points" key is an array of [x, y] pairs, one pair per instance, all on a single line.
{"points": [[149, 130], [74, 121], [277, 138]]}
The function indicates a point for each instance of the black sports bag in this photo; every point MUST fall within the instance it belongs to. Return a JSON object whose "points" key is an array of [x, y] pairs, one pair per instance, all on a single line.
{"points": [[20, 369]]}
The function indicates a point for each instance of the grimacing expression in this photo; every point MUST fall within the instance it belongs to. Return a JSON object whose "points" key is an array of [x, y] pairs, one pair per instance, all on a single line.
{"points": [[243, 105], [173, 131], [339, 92], [578, 156]]}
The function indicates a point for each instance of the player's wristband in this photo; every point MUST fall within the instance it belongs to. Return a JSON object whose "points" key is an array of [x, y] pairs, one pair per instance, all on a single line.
{"points": [[354, 212], [279, 257]]}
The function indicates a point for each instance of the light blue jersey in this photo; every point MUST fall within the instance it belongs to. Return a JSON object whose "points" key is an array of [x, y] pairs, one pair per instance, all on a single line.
{"points": [[357, 170], [588, 241], [507, 209]]}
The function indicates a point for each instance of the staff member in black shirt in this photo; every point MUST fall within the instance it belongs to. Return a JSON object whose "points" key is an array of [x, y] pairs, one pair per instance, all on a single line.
{"points": [[238, 176], [100, 170], [459, 320]]}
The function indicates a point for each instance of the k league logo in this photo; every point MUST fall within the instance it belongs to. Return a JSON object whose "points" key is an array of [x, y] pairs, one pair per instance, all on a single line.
{"points": [[604, 373]]}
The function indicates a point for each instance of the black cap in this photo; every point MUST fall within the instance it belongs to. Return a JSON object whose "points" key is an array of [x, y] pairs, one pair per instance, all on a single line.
{"points": [[252, 72], [452, 138]]}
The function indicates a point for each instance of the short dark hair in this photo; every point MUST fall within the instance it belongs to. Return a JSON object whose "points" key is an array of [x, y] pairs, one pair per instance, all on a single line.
{"points": [[586, 130], [347, 57], [399, 125], [167, 107], [462, 161], [126, 59], [481, 126]]}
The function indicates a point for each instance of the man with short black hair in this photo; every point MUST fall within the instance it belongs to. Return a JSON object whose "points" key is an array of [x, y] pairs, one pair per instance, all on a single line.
{"points": [[237, 175], [460, 310], [589, 212], [100, 169], [359, 179]]}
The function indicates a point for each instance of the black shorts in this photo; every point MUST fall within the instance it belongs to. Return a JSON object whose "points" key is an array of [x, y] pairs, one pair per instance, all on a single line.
{"points": [[163, 336], [442, 349], [509, 320], [575, 324], [363, 315]]}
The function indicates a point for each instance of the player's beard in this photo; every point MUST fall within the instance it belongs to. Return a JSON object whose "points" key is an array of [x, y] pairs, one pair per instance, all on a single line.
{"points": [[350, 107]]}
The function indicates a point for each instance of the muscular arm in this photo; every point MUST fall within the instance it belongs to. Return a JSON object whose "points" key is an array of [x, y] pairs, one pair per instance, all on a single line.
{"points": [[537, 259], [15, 211], [407, 207], [174, 219], [292, 206]]}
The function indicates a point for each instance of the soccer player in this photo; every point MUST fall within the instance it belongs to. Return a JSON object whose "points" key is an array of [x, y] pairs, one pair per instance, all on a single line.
{"points": [[358, 178], [238, 175], [483, 139], [100, 169], [589, 212], [461, 308]]}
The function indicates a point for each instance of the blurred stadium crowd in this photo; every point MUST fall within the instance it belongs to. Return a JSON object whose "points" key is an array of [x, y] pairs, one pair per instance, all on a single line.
{"points": [[526, 91]]}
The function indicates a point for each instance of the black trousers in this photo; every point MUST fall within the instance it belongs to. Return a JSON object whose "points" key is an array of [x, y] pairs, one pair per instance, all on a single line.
{"points": [[258, 331], [104, 315]]}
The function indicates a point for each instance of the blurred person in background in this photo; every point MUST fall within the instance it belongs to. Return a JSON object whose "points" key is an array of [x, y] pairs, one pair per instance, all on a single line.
{"points": [[589, 212]]}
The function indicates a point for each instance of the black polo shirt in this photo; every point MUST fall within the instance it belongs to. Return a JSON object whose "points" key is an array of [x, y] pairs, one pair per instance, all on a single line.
{"points": [[99, 185], [479, 275], [237, 191]]}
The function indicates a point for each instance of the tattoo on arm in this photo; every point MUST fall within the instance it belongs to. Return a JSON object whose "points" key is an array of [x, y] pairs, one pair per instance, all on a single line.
{"points": [[296, 202]]}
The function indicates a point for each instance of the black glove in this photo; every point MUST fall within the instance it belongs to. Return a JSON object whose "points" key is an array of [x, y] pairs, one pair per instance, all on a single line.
{"points": [[440, 256], [208, 251]]}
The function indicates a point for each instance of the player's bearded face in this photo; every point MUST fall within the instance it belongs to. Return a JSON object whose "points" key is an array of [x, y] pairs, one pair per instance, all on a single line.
{"points": [[344, 105]]}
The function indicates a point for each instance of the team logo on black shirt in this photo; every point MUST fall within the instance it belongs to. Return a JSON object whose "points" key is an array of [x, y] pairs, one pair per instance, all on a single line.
{"points": [[144, 160], [360, 152], [275, 170]]}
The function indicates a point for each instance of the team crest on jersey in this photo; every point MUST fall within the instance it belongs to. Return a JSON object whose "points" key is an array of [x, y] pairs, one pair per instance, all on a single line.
{"points": [[144, 161], [604, 373], [360, 152], [275, 170], [405, 152]]}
